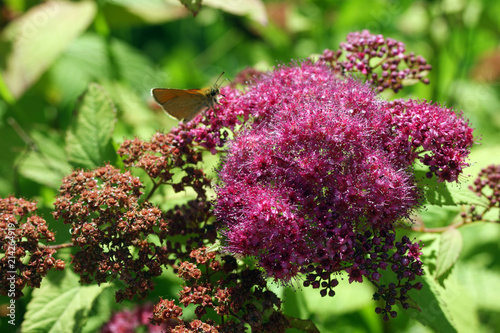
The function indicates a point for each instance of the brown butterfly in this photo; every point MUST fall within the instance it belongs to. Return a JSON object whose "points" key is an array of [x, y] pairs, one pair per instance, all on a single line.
{"points": [[185, 104]]}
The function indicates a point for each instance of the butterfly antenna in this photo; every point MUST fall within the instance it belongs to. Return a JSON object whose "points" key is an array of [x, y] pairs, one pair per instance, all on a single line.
{"points": [[215, 84]]}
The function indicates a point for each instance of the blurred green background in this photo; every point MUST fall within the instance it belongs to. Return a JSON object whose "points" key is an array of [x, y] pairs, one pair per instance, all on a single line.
{"points": [[51, 51]]}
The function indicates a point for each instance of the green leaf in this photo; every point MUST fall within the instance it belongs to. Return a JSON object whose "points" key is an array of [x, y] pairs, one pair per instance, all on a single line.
{"points": [[91, 58], [436, 304], [304, 325], [436, 307], [459, 306], [450, 246], [38, 37], [124, 13], [349, 297], [480, 283], [134, 115], [101, 311], [121, 13], [294, 303], [88, 141], [253, 8], [443, 194], [462, 195], [481, 243], [46, 162], [61, 304]]}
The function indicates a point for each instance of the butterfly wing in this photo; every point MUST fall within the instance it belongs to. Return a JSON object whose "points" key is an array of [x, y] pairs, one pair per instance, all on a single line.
{"points": [[181, 103]]}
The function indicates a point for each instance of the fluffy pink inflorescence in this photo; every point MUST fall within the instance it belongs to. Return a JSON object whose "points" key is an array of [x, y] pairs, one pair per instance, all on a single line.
{"points": [[382, 61], [435, 135], [131, 320], [326, 165]]}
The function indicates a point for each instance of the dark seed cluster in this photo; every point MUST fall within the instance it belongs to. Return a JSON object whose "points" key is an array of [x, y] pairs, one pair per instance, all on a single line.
{"points": [[370, 258], [107, 221], [25, 259], [239, 296]]}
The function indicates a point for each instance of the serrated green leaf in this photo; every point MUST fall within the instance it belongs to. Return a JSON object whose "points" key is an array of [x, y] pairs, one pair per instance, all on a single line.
{"points": [[459, 308], [444, 194], [444, 309], [450, 246], [38, 37], [61, 304], [46, 164], [101, 311], [463, 196], [135, 117], [88, 141], [430, 301], [92, 58]]}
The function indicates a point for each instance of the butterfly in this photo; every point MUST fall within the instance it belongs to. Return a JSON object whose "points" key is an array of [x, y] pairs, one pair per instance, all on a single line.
{"points": [[185, 104]]}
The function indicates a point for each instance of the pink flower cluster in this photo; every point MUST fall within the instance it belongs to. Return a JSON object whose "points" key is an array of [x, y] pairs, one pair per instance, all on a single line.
{"points": [[131, 320], [324, 162], [382, 61]]}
